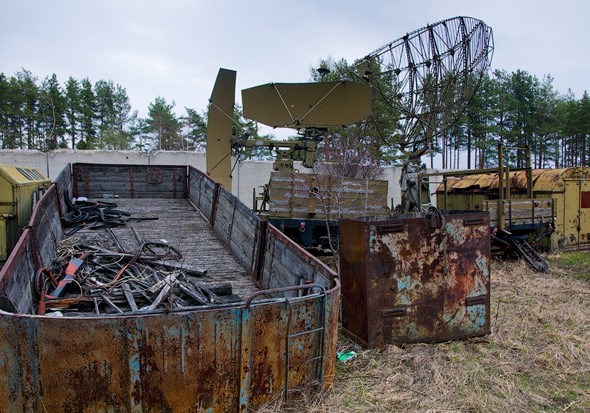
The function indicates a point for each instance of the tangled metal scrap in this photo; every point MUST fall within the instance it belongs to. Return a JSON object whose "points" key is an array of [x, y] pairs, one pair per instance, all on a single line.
{"points": [[94, 215], [97, 275]]}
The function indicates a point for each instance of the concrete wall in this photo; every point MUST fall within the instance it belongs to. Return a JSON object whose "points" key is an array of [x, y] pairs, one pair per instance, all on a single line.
{"points": [[53, 162], [247, 175]]}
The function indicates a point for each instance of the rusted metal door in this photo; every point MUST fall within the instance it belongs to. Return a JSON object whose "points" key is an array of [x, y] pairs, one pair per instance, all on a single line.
{"points": [[576, 212], [571, 213], [416, 279], [584, 212]]}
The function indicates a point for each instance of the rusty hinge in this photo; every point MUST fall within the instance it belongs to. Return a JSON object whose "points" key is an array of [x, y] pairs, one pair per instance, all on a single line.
{"points": [[469, 221], [396, 226], [478, 299], [394, 312]]}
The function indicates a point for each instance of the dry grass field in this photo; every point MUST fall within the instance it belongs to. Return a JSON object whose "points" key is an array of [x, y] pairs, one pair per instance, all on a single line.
{"points": [[537, 358]]}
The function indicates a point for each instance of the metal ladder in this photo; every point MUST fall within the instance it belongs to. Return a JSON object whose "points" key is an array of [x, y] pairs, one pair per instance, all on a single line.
{"points": [[317, 356]]}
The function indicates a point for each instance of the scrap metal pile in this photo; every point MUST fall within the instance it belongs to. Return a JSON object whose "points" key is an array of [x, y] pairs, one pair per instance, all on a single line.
{"points": [[96, 274], [83, 213]]}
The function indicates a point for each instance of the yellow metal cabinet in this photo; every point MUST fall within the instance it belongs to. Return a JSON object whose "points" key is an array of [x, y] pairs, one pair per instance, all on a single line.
{"points": [[20, 188]]}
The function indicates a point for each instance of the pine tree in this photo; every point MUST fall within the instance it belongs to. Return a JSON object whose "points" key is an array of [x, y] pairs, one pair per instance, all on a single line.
{"points": [[52, 112], [26, 110], [546, 123], [195, 129], [5, 95], [105, 105], [88, 131], [73, 109], [162, 122]]}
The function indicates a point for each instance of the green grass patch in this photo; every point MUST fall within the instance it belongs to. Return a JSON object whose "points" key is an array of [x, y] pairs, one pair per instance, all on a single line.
{"points": [[575, 263]]}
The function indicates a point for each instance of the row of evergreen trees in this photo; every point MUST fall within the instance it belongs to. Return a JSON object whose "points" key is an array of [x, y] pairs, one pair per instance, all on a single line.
{"points": [[45, 115], [519, 110], [515, 109]]}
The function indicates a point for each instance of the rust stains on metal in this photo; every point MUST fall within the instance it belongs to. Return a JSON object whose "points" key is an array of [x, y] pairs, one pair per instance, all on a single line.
{"points": [[224, 357], [169, 362], [544, 180], [414, 279], [132, 182]]}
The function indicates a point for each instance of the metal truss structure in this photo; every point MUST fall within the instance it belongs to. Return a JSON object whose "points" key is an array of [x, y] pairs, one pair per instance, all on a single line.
{"points": [[429, 75]]}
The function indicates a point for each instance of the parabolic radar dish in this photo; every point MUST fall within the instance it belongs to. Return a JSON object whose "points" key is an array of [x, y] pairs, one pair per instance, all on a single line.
{"points": [[430, 75]]}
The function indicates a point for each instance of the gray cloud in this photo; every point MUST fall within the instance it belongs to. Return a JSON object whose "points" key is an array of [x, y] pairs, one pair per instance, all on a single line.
{"points": [[174, 48]]}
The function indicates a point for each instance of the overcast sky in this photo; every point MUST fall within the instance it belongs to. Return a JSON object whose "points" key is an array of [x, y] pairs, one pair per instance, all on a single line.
{"points": [[174, 48]]}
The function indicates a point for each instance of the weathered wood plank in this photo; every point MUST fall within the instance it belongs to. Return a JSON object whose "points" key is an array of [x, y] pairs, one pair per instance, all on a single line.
{"points": [[183, 227], [130, 180], [295, 195]]}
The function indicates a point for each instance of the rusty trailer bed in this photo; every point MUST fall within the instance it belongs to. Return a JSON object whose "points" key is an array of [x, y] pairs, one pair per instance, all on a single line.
{"points": [[180, 224], [230, 357]]}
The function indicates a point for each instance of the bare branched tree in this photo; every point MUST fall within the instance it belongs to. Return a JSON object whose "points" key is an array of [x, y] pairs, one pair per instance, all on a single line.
{"points": [[351, 156]]}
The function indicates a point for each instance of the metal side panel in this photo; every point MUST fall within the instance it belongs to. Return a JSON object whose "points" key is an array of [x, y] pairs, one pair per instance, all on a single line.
{"points": [[225, 360], [129, 181]]}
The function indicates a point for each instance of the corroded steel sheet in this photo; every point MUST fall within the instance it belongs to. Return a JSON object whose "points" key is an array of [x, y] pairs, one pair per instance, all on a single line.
{"points": [[222, 360], [550, 180], [484, 181], [416, 279], [544, 180]]}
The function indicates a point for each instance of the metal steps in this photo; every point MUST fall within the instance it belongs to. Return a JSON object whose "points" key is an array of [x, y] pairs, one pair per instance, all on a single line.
{"points": [[532, 257]]}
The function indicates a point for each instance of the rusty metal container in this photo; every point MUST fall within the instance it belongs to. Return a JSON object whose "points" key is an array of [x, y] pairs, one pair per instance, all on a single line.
{"points": [[415, 278]]}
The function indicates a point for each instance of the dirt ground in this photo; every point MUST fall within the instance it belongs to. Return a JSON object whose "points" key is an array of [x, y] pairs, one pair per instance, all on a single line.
{"points": [[537, 358]]}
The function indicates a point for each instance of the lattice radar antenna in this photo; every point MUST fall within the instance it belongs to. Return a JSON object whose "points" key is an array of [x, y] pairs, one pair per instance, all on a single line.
{"points": [[429, 76]]}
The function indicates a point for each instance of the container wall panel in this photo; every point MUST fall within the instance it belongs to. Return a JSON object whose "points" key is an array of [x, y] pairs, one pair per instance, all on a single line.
{"points": [[222, 360], [16, 276], [46, 226], [202, 191], [64, 186], [129, 181], [238, 227], [285, 263]]}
